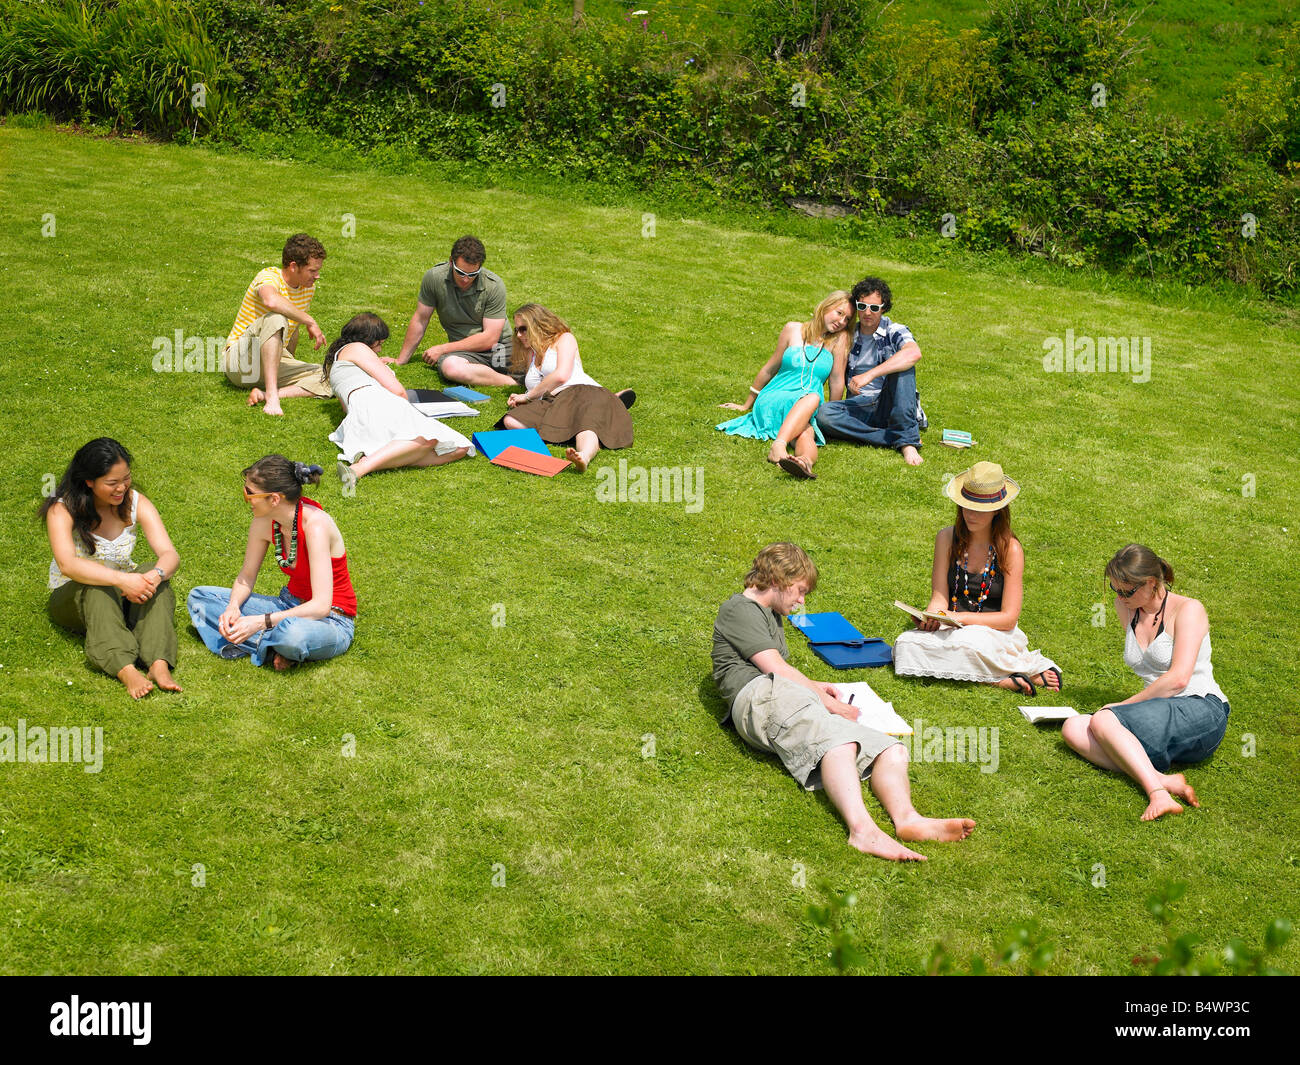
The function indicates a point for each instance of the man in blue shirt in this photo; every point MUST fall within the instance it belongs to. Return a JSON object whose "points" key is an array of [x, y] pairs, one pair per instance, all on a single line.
{"points": [[881, 407]]}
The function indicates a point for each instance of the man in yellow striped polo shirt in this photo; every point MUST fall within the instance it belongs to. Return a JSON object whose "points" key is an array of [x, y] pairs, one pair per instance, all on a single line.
{"points": [[259, 351]]}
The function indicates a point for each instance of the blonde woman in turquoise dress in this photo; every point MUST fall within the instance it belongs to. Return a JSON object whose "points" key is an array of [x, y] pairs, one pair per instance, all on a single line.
{"points": [[791, 386]]}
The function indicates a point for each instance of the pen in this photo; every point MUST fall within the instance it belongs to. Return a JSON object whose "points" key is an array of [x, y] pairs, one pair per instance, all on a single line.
{"points": [[851, 698]]}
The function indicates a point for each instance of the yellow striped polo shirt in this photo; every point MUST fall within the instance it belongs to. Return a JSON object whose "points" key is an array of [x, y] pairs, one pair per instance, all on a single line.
{"points": [[253, 308]]}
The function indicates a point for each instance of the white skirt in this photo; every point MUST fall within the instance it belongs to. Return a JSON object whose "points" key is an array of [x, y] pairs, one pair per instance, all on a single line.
{"points": [[973, 652], [376, 417]]}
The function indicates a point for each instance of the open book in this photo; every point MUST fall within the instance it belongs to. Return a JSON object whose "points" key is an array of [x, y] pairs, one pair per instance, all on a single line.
{"points": [[929, 615], [1038, 714], [875, 712]]}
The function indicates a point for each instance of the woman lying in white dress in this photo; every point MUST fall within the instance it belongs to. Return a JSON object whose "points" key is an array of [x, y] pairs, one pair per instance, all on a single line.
{"points": [[382, 431], [977, 579]]}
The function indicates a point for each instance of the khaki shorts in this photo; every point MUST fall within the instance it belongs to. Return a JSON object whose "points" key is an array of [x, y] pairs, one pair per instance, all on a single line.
{"points": [[776, 715], [242, 360], [495, 358]]}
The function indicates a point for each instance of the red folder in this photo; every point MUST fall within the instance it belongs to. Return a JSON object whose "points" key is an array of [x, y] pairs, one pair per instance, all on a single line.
{"points": [[517, 458]]}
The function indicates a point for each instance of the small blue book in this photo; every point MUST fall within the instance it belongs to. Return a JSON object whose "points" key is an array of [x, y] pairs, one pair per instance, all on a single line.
{"points": [[465, 395], [493, 442], [826, 628]]}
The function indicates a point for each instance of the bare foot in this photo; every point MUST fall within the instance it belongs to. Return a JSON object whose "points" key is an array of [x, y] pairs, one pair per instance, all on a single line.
{"points": [[281, 663], [256, 396], [1018, 683], [577, 458], [160, 673], [1177, 786], [137, 684], [911, 456], [944, 829], [272, 407], [1161, 803], [870, 840], [1049, 679]]}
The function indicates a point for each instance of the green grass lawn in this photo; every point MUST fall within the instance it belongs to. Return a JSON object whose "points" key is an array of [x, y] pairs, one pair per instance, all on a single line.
{"points": [[514, 750]]}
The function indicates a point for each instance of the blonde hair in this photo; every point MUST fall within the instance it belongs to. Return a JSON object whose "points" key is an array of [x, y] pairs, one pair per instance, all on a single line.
{"points": [[780, 566], [815, 331], [543, 328], [1136, 564]]}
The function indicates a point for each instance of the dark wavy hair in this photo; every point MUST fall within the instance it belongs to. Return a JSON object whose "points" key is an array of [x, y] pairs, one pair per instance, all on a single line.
{"points": [[364, 328], [868, 285], [275, 473], [91, 462]]}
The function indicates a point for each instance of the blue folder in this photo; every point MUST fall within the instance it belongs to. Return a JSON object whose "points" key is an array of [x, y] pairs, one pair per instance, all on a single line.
{"points": [[493, 442], [465, 395], [873, 651], [826, 628], [836, 642]]}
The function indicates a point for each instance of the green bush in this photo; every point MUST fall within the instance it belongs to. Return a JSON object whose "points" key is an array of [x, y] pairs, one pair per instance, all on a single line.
{"points": [[996, 128], [140, 64]]}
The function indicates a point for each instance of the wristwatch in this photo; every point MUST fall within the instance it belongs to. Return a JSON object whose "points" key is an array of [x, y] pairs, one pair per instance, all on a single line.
{"points": [[161, 575], [266, 622]]}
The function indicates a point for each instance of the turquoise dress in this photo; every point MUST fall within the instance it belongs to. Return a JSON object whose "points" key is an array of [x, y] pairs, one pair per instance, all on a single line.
{"points": [[804, 370]]}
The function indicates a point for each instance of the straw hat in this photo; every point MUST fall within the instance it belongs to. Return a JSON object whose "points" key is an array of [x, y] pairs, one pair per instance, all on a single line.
{"points": [[983, 487]]}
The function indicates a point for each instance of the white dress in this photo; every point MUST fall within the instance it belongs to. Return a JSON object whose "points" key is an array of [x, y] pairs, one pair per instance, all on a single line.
{"points": [[376, 417], [973, 652]]}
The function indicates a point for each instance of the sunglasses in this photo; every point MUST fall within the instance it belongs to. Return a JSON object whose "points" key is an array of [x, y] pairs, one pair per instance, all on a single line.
{"points": [[467, 273], [1126, 595], [872, 307], [521, 329], [255, 495]]}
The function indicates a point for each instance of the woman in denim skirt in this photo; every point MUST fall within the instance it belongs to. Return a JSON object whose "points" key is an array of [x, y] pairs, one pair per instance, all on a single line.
{"points": [[1181, 714]]}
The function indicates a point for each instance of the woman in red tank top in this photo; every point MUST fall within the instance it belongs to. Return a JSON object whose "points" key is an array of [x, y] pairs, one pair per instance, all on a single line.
{"points": [[314, 615]]}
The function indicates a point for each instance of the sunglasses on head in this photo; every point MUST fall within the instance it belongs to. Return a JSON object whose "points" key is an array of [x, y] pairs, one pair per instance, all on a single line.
{"points": [[872, 307], [467, 273]]}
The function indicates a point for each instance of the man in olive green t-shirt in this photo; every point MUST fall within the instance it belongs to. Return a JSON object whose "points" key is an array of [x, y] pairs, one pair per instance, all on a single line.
{"points": [[775, 708], [471, 306]]}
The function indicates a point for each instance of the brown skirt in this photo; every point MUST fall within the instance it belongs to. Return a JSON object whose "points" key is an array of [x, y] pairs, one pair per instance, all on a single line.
{"points": [[559, 418]]}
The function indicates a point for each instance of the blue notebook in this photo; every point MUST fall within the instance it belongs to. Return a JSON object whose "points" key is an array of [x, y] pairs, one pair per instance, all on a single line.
{"points": [[493, 442], [826, 628], [873, 651], [465, 395]]}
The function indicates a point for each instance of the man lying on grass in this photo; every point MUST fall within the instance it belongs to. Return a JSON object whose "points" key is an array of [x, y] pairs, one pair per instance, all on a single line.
{"points": [[776, 709]]}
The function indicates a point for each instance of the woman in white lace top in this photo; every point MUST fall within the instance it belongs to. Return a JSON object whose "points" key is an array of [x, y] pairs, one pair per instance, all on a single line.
{"points": [[127, 616]]}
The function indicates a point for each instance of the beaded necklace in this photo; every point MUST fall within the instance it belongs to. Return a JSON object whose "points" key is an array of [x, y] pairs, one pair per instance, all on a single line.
{"points": [[810, 365], [986, 576], [278, 537]]}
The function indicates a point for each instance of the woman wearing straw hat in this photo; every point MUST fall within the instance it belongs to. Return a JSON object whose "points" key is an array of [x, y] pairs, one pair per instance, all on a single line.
{"points": [[977, 580], [1182, 714]]}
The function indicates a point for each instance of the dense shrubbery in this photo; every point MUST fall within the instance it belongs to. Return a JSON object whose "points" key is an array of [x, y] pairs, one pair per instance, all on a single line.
{"points": [[1003, 128], [140, 64]]}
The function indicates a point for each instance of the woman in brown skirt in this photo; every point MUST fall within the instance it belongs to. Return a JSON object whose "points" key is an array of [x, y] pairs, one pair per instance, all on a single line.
{"points": [[562, 402]]}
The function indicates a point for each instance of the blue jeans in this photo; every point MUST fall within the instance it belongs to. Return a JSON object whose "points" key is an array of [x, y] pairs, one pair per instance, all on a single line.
{"points": [[297, 639], [885, 420]]}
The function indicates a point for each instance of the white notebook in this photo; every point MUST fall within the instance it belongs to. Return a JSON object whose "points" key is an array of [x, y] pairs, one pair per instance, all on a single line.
{"points": [[875, 712], [1037, 714]]}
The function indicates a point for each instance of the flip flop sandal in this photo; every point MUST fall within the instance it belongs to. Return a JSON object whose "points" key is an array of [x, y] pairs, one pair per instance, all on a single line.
{"points": [[796, 468], [1057, 673], [1032, 690], [347, 476]]}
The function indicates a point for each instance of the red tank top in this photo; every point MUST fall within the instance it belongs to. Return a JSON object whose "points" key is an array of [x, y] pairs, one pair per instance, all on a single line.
{"points": [[300, 575]]}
